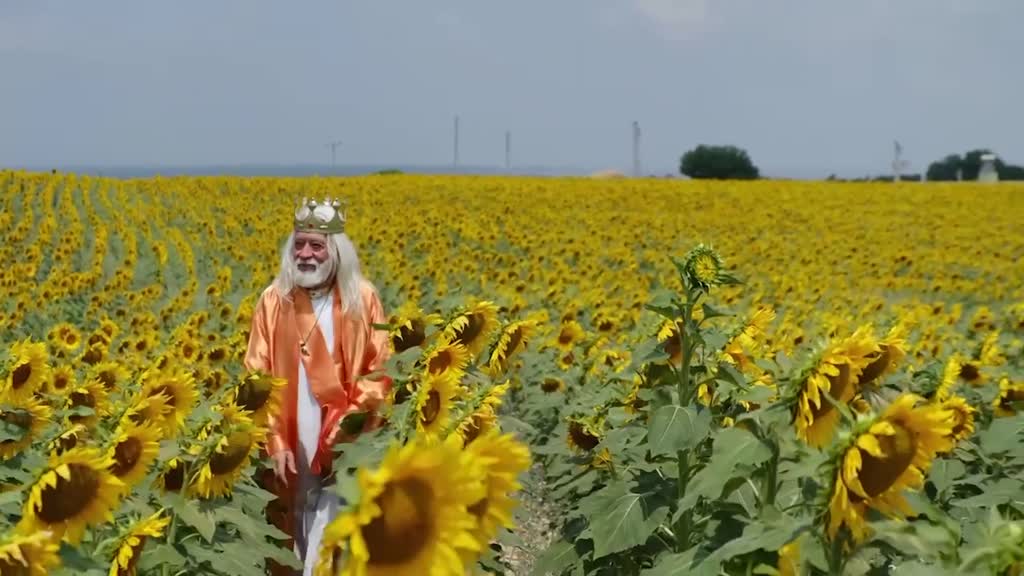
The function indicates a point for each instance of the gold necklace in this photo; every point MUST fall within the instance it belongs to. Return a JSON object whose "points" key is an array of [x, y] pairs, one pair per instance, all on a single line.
{"points": [[302, 345]]}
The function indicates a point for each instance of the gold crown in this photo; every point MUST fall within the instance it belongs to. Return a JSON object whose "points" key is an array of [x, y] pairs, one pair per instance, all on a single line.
{"points": [[327, 217]]}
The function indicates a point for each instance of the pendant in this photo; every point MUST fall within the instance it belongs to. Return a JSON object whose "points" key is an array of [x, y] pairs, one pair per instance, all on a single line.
{"points": [[303, 349]]}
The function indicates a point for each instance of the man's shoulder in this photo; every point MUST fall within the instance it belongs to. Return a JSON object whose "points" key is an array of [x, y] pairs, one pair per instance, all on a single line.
{"points": [[270, 297]]}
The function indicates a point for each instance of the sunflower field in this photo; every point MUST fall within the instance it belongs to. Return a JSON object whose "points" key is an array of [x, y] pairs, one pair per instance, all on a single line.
{"points": [[707, 378]]}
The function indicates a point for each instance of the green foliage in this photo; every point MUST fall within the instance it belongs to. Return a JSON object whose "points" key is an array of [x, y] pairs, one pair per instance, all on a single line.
{"points": [[718, 162]]}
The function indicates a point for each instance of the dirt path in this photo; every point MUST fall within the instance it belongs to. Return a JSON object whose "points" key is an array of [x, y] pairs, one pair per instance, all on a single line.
{"points": [[536, 523]]}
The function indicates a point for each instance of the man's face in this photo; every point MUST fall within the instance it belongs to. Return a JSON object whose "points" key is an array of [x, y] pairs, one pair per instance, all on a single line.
{"points": [[312, 266]]}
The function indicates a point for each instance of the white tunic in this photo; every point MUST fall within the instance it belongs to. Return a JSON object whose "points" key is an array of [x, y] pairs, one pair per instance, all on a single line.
{"points": [[317, 505]]}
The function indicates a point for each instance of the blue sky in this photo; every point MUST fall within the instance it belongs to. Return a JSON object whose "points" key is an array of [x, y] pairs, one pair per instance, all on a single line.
{"points": [[808, 87]]}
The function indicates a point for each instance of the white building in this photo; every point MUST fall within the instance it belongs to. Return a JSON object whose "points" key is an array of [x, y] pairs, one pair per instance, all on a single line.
{"points": [[988, 172]]}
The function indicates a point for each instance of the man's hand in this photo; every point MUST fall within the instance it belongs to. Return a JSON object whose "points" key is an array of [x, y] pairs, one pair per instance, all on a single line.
{"points": [[284, 460]]}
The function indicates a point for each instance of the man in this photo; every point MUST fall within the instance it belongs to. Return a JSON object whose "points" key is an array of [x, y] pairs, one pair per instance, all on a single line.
{"points": [[314, 326]]}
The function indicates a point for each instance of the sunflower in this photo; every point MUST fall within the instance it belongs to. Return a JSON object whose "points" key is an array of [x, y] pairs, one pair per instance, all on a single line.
{"points": [[569, 335], [237, 439], [68, 439], [62, 379], [503, 459], [434, 403], [836, 371], [668, 339], [892, 349], [131, 543], [31, 417], [447, 360], [513, 340], [65, 337], [1010, 397], [111, 374], [484, 418], [28, 554], [703, 268], [409, 327], [886, 455], [179, 389], [26, 370], [551, 384], [259, 394], [963, 417], [133, 449], [77, 490], [584, 433], [91, 395], [473, 326], [413, 516]]}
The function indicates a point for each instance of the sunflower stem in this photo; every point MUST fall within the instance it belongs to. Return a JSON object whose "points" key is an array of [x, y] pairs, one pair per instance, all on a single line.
{"points": [[683, 529], [835, 557], [771, 477]]}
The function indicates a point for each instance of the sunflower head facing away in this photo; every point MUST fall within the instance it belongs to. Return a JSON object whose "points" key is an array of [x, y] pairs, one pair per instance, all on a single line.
{"points": [[885, 456], [585, 433], [413, 516], [77, 490], [129, 546], [28, 554]]}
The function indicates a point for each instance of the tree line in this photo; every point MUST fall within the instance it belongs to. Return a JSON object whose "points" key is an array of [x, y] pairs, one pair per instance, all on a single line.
{"points": [[728, 162]]}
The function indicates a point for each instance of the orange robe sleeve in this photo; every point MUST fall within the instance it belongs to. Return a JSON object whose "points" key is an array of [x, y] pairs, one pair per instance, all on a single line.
{"points": [[259, 356], [369, 391]]}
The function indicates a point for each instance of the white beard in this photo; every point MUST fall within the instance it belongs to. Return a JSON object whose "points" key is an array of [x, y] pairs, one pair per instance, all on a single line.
{"points": [[315, 278]]}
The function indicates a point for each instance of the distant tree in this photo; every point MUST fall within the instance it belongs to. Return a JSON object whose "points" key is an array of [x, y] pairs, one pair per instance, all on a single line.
{"points": [[969, 165], [718, 162]]}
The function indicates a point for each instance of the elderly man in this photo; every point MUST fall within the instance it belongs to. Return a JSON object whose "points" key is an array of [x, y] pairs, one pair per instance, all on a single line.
{"points": [[314, 326]]}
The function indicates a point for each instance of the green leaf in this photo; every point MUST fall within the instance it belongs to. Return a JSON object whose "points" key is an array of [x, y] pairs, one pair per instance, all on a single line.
{"points": [[684, 564], [735, 451], [676, 428], [1003, 435], [1000, 492], [560, 555], [161, 554], [619, 519], [189, 512], [945, 473]]}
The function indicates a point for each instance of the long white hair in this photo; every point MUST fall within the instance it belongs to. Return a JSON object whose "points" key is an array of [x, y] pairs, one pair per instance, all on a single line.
{"points": [[344, 261]]}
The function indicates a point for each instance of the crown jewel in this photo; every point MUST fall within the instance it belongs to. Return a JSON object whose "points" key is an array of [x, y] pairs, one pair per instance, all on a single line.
{"points": [[327, 217]]}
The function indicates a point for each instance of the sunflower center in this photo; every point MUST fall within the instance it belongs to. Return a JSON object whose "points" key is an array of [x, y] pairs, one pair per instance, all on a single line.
{"points": [[60, 381], [582, 437], [405, 524], [126, 456], [107, 378], [236, 451], [469, 333], [166, 391], [21, 375], [410, 337], [479, 509], [551, 384], [969, 372], [68, 497], [877, 366], [879, 474], [8, 566], [440, 362], [565, 337], [253, 395], [705, 268], [431, 408]]}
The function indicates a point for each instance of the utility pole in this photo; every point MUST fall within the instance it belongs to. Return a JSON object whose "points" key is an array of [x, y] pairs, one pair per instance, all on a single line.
{"points": [[455, 155], [636, 149], [508, 150], [334, 147]]}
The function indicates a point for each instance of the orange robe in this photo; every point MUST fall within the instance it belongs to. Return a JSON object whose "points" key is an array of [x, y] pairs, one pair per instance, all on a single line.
{"points": [[335, 376]]}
